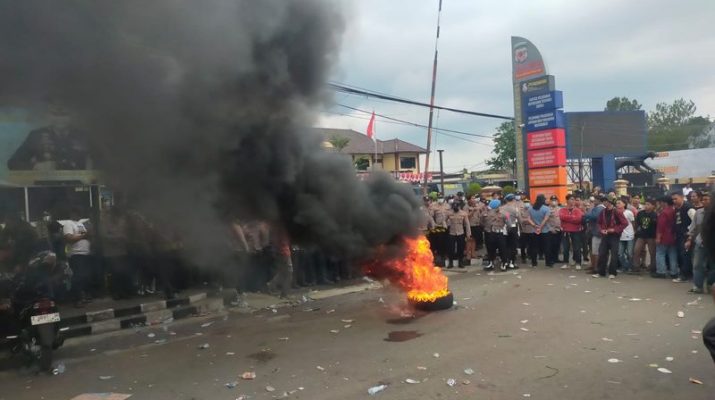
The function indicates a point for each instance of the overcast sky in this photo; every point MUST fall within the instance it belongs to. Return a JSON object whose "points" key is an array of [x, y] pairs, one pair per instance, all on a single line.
{"points": [[650, 50]]}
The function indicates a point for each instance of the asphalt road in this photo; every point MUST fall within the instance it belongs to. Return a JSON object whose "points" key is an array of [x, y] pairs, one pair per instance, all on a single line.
{"points": [[541, 334]]}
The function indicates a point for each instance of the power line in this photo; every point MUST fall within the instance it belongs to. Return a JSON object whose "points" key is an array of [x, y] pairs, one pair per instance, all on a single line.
{"points": [[415, 123], [370, 93]]}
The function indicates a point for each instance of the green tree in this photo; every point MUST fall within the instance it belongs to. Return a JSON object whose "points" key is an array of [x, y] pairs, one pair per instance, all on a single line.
{"points": [[473, 188], [508, 189], [622, 104], [675, 126], [504, 148], [339, 142], [362, 164]]}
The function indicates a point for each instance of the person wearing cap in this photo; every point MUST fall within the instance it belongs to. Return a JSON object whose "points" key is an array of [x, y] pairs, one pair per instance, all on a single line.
{"points": [[459, 232], [476, 211], [611, 223], [494, 223], [538, 218], [571, 218], [592, 222], [526, 230], [553, 241], [511, 213]]}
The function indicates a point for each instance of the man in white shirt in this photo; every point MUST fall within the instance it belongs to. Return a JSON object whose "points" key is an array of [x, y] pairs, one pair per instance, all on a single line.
{"points": [[76, 235], [686, 190]]}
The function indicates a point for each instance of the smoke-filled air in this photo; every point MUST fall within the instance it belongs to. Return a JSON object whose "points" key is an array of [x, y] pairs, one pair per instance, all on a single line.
{"points": [[201, 112]]}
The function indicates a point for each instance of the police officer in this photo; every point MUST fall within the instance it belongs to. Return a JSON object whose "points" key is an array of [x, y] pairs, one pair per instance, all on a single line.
{"points": [[476, 210], [511, 214], [438, 233], [459, 232], [494, 223]]}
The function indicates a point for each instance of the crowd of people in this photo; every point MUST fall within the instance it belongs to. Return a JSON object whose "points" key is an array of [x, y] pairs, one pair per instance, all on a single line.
{"points": [[123, 254], [600, 233]]}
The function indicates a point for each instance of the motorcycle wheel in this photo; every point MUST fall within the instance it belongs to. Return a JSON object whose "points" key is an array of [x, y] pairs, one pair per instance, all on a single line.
{"points": [[45, 335]]}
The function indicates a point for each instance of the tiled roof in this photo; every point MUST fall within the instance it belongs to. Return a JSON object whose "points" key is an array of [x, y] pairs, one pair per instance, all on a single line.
{"points": [[361, 144]]}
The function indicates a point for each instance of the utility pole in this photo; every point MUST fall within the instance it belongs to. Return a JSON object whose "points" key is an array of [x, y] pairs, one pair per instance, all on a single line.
{"points": [[441, 171], [431, 103]]}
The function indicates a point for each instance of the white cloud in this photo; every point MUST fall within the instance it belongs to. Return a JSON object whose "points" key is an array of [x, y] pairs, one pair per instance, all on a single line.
{"points": [[653, 51]]}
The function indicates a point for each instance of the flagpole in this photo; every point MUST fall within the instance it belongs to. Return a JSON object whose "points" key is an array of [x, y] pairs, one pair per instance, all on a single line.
{"points": [[431, 104], [374, 138]]}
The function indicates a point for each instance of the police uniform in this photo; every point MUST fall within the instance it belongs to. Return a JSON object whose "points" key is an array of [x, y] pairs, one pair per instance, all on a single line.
{"points": [[494, 223], [459, 232], [553, 244], [512, 215], [476, 213], [438, 234]]}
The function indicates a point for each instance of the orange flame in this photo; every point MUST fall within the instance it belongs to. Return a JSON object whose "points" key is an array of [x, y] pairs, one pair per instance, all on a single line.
{"points": [[415, 273]]}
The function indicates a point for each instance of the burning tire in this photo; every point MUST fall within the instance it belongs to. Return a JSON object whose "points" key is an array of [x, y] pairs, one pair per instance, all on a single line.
{"points": [[441, 303]]}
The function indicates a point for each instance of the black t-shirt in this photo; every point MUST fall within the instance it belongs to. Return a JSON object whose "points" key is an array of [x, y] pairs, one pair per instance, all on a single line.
{"points": [[645, 224]]}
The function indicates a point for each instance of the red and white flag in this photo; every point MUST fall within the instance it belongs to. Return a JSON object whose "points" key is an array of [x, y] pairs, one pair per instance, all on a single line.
{"points": [[371, 126]]}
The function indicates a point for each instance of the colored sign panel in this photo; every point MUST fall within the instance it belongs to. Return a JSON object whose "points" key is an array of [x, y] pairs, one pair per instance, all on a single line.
{"points": [[547, 177], [547, 158], [538, 85], [546, 120], [526, 60], [545, 139], [548, 191], [544, 101]]}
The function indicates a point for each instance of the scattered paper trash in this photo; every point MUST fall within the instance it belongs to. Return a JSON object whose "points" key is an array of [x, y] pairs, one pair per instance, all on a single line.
{"points": [[270, 389], [248, 376], [435, 355], [526, 395], [206, 325], [695, 381], [347, 326], [376, 389], [469, 371], [694, 351], [605, 339], [635, 299], [421, 368], [160, 341], [451, 382], [334, 331], [283, 339], [523, 321], [669, 358], [653, 365], [526, 304], [231, 385], [681, 314], [151, 335], [411, 381], [230, 353], [614, 360], [332, 310], [665, 370], [105, 377], [524, 329], [696, 332], [319, 368], [204, 346], [346, 321]]}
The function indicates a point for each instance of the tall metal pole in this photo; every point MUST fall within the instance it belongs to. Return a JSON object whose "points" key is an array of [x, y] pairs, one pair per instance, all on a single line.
{"points": [[431, 103], [441, 171]]}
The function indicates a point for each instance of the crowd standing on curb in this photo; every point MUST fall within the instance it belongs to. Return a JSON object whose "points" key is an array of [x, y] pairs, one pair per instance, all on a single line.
{"points": [[601, 234]]}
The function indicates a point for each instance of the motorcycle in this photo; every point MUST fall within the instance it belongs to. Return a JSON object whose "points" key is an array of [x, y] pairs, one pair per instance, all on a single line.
{"points": [[35, 315]]}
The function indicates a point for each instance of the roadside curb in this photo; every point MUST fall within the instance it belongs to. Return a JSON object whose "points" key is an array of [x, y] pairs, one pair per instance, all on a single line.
{"points": [[145, 314]]}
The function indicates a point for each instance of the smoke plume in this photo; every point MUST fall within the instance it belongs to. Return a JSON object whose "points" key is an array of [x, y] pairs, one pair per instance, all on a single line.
{"points": [[201, 110]]}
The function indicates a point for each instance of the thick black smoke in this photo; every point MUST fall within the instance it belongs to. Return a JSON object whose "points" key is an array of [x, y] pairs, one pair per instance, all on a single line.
{"points": [[200, 110]]}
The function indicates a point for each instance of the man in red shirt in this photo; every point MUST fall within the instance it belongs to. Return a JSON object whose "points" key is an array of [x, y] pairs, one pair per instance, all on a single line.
{"points": [[572, 228], [665, 244], [611, 224]]}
